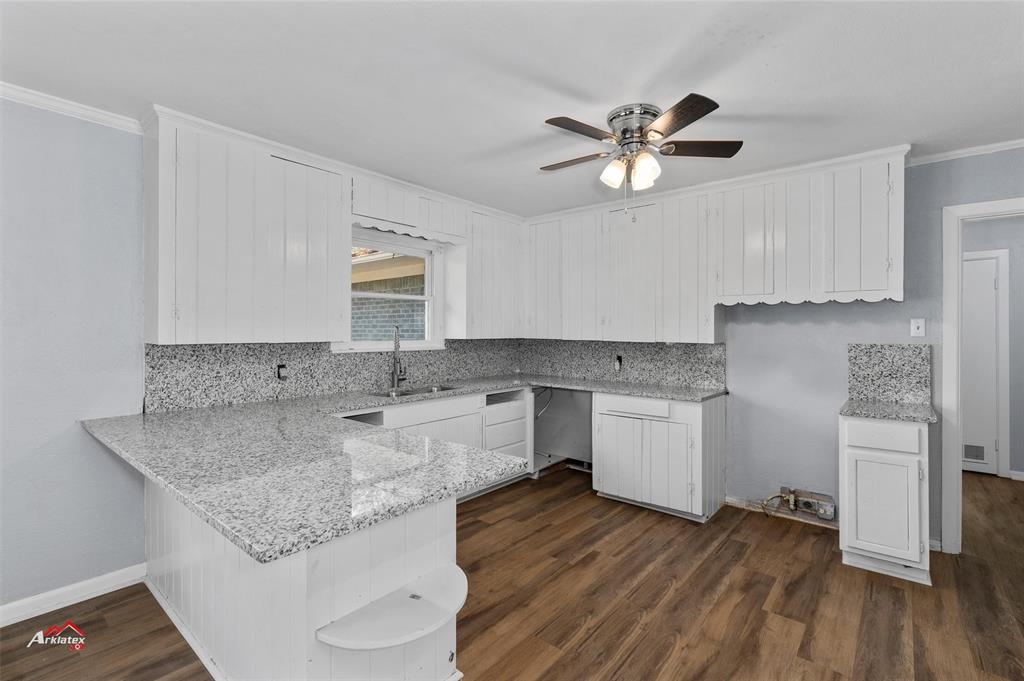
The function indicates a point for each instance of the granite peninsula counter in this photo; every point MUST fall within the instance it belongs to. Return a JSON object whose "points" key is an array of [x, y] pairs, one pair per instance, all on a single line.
{"points": [[310, 526]]}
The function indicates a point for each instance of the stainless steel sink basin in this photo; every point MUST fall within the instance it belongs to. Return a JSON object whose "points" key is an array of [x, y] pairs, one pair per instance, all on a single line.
{"points": [[402, 392]]}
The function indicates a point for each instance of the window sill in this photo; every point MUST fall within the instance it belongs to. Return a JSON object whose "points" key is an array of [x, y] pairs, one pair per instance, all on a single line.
{"points": [[385, 346]]}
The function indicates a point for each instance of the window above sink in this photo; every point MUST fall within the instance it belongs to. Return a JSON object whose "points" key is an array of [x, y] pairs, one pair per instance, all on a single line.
{"points": [[397, 280]]}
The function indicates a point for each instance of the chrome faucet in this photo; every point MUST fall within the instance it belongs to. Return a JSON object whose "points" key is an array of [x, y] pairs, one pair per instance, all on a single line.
{"points": [[397, 370]]}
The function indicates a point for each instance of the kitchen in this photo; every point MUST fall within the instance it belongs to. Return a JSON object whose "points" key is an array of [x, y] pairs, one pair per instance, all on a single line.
{"points": [[410, 419]]}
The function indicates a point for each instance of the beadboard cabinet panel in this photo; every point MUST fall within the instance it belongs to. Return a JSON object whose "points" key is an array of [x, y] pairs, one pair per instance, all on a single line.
{"points": [[834, 232], [493, 275], [581, 260], [250, 247], [634, 274]]}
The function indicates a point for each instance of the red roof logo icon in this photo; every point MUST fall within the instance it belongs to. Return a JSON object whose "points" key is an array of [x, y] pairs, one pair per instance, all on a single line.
{"points": [[59, 629]]}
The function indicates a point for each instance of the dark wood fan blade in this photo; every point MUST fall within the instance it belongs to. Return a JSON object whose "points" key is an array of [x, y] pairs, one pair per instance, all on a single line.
{"points": [[581, 159], [690, 108], [572, 125], [706, 149]]}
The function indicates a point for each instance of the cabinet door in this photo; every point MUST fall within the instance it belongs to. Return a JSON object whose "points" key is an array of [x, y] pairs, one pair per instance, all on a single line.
{"points": [[492, 277], [547, 253], [634, 274], [883, 504], [679, 316], [857, 243], [526, 288], [744, 260], [581, 238], [261, 253], [479, 257], [465, 430], [618, 450], [376, 198], [668, 479]]}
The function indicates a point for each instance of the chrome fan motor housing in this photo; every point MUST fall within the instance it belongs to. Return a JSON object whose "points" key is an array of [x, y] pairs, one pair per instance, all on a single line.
{"points": [[628, 123]]}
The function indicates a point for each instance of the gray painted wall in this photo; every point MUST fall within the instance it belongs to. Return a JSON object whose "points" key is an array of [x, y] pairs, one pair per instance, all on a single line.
{"points": [[70, 347], [787, 363], [1008, 233]]}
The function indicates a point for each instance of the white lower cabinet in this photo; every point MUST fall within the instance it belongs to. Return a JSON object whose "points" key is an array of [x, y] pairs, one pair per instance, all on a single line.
{"points": [[883, 496], [662, 454]]}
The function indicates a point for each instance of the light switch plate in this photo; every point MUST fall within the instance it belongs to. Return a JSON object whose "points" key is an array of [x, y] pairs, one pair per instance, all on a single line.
{"points": [[917, 328]]}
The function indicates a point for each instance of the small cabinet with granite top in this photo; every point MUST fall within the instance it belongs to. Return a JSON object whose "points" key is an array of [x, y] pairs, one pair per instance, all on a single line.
{"points": [[661, 454], [883, 496]]}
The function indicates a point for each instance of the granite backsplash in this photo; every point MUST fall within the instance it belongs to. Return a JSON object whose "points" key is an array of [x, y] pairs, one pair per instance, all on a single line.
{"points": [[890, 372], [187, 376]]}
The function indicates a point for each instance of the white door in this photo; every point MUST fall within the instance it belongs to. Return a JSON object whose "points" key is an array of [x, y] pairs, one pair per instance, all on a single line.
{"points": [[883, 514], [618, 447], [667, 466], [983, 358]]}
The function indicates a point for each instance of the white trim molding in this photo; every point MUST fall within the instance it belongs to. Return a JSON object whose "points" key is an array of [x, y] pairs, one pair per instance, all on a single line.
{"points": [[64, 596], [1017, 475], [961, 153], [953, 219], [41, 100]]}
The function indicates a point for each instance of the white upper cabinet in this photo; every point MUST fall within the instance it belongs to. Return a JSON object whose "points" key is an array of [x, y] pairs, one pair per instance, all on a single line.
{"points": [[831, 232], [381, 199], [634, 274], [686, 314], [860, 243], [242, 245], [493, 274], [582, 271], [742, 253]]}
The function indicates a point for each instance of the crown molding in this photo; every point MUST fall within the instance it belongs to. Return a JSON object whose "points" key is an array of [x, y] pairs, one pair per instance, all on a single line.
{"points": [[41, 100], [961, 153]]}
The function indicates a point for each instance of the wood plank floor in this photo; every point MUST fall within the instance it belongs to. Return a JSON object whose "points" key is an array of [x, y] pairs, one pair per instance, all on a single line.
{"points": [[566, 585]]}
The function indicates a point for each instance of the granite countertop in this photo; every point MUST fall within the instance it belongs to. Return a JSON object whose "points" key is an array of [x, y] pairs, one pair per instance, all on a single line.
{"points": [[359, 401], [277, 478], [918, 412], [280, 477]]}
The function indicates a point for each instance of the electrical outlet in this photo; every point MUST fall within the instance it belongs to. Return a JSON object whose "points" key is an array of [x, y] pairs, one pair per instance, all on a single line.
{"points": [[917, 328]]}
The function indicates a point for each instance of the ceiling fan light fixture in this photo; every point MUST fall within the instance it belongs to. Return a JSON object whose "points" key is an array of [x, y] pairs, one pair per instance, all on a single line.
{"points": [[645, 171], [654, 136], [614, 173]]}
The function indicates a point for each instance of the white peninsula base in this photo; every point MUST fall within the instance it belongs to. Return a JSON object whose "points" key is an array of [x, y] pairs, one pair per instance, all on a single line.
{"points": [[251, 620]]}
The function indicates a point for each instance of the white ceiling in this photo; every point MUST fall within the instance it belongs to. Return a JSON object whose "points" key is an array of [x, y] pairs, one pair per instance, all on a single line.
{"points": [[453, 96]]}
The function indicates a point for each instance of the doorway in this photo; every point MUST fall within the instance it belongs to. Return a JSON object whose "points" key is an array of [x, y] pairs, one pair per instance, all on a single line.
{"points": [[956, 221]]}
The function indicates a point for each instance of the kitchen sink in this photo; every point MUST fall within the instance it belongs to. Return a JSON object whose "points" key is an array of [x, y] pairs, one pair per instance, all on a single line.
{"points": [[402, 392]]}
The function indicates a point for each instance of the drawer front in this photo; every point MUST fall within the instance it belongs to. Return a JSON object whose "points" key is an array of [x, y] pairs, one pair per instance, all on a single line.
{"points": [[503, 434], [507, 411], [433, 409], [628, 405], [517, 449], [886, 435]]}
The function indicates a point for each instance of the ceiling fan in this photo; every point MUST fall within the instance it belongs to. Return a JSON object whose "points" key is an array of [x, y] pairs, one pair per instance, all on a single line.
{"points": [[634, 129]]}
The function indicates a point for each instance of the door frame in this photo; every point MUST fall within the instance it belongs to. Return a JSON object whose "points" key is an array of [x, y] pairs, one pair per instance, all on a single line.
{"points": [[954, 219], [1002, 258]]}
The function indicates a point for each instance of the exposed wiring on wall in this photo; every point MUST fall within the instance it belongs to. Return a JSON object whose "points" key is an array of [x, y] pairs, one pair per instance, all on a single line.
{"points": [[788, 498], [551, 396]]}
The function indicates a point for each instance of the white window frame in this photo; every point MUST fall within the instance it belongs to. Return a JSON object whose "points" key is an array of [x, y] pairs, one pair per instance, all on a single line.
{"points": [[433, 289]]}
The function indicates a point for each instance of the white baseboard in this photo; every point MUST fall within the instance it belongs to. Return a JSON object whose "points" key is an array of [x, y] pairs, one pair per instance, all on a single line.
{"points": [[25, 608], [1016, 475], [935, 544]]}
